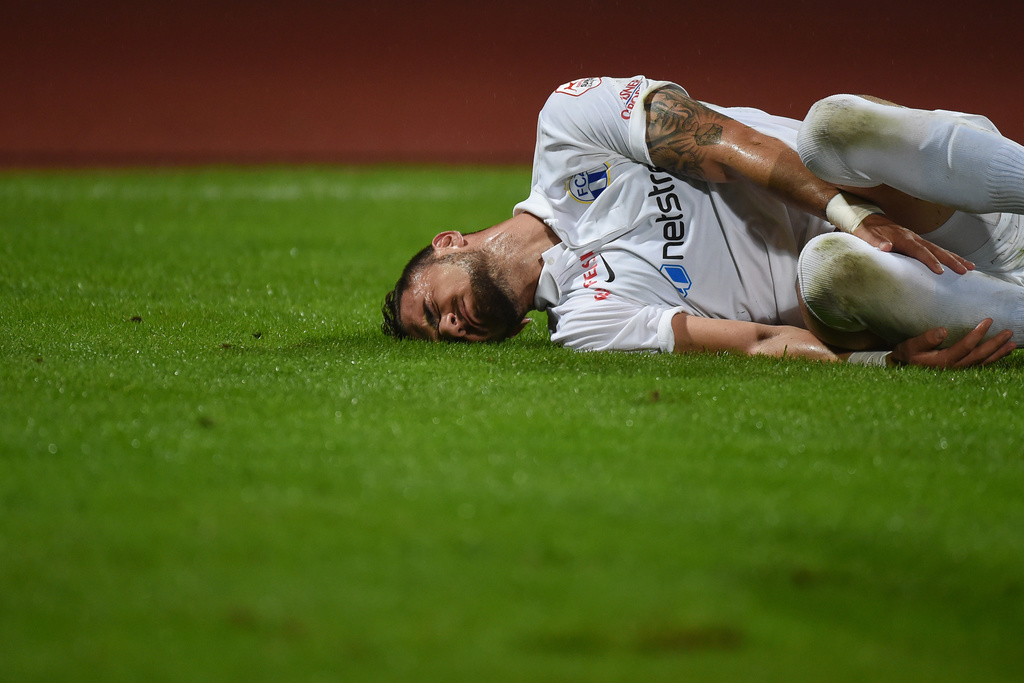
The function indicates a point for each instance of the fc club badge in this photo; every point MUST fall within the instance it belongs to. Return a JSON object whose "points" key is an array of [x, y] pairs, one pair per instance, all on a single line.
{"points": [[587, 186]]}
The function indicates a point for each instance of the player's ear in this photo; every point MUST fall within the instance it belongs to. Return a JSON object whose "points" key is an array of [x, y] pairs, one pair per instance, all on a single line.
{"points": [[449, 239]]}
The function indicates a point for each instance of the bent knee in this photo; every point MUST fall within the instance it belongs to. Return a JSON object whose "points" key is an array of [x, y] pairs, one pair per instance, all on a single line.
{"points": [[833, 272], [832, 128]]}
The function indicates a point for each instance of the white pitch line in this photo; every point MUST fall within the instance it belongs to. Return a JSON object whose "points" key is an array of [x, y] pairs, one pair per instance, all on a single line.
{"points": [[54, 190]]}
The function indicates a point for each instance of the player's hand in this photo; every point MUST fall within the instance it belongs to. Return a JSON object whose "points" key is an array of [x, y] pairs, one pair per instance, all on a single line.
{"points": [[971, 350], [881, 232]]}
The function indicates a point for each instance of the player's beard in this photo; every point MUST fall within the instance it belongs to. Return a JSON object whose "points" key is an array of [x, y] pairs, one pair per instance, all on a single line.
{"points": [[492, 295]]}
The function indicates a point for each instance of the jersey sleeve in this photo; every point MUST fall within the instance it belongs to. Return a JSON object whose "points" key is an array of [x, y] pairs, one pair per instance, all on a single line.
{"points": [[585, 121], [613, 324], [590, 128]]}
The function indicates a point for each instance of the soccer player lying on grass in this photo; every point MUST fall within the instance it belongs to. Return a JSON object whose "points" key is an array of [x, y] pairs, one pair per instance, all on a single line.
{"points": [[659, 222]]}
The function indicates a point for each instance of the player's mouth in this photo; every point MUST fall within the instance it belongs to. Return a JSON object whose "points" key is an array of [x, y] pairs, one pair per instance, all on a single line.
{"points": [[470, 320], [468, 313]]}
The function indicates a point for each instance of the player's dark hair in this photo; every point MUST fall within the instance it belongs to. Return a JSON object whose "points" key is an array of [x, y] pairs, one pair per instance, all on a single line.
{"points": [[391, 310]]}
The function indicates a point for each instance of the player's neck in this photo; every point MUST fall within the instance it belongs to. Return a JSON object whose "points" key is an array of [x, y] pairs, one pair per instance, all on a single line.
{"points": [[515, 247]]}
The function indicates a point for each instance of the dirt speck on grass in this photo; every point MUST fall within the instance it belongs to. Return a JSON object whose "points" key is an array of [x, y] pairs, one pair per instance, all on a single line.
{"points": [[669, 638], [658, 638]]}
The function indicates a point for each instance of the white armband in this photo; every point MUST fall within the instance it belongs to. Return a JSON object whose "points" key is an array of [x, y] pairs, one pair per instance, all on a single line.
{"points": [[847, 215], [876, 358]]}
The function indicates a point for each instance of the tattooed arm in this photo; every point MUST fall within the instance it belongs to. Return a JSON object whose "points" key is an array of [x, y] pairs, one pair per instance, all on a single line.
{"points": [[690, 140], [693, 141]]}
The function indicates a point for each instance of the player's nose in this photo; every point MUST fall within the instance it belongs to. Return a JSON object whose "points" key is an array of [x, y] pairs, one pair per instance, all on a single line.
{"points": [[452, 327]]}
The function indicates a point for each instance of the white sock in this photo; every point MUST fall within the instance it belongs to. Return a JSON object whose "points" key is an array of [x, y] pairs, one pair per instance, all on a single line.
{"points": [[949, 158], [851, 286], [993, 241]]}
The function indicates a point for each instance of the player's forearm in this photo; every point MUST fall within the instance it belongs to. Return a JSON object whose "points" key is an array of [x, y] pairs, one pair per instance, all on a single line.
{"points": [[691, 140], [770, 164], [697, 334]]}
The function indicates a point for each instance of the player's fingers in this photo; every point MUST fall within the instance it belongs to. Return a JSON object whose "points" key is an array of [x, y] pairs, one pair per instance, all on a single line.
{"points": [[964, 346], [1002, 352], [971, 349], [966, 343], [984, 356], [987, 351], [919, 250], [872, 237], [925, 342], [931, 255], [920, 350], [954, 262]]}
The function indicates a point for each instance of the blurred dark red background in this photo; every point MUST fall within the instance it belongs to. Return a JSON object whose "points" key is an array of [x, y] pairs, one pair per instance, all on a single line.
{"points": [[233, 81]]}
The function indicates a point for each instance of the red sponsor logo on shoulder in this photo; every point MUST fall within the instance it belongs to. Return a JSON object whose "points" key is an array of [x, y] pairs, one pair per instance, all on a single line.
{"points": [[578, 87], [629, 95]]}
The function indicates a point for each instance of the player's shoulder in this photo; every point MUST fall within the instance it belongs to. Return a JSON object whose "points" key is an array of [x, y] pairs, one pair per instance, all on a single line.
{"points": [[624, 87], [621, 94], [580, 86]]}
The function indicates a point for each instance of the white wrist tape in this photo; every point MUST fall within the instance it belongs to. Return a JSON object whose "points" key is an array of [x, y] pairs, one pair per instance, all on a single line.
{"points": [[877, 358], [847, 215]]}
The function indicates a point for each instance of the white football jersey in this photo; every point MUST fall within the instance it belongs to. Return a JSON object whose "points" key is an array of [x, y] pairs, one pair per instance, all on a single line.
{"points": [[640, 245]]}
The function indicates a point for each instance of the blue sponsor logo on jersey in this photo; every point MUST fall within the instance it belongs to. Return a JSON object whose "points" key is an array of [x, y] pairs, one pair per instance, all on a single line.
{"points": [[587, 186], [677, 274]]}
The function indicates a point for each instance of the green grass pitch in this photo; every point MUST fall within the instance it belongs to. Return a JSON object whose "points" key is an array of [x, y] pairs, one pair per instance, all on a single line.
{"points": [[214, 467]]}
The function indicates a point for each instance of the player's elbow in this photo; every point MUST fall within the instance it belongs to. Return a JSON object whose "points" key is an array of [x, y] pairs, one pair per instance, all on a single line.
{"points": [[789, 342]]}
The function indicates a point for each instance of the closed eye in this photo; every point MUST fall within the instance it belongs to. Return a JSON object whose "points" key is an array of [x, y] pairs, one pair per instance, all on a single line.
{"points": [[433, 319]]}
